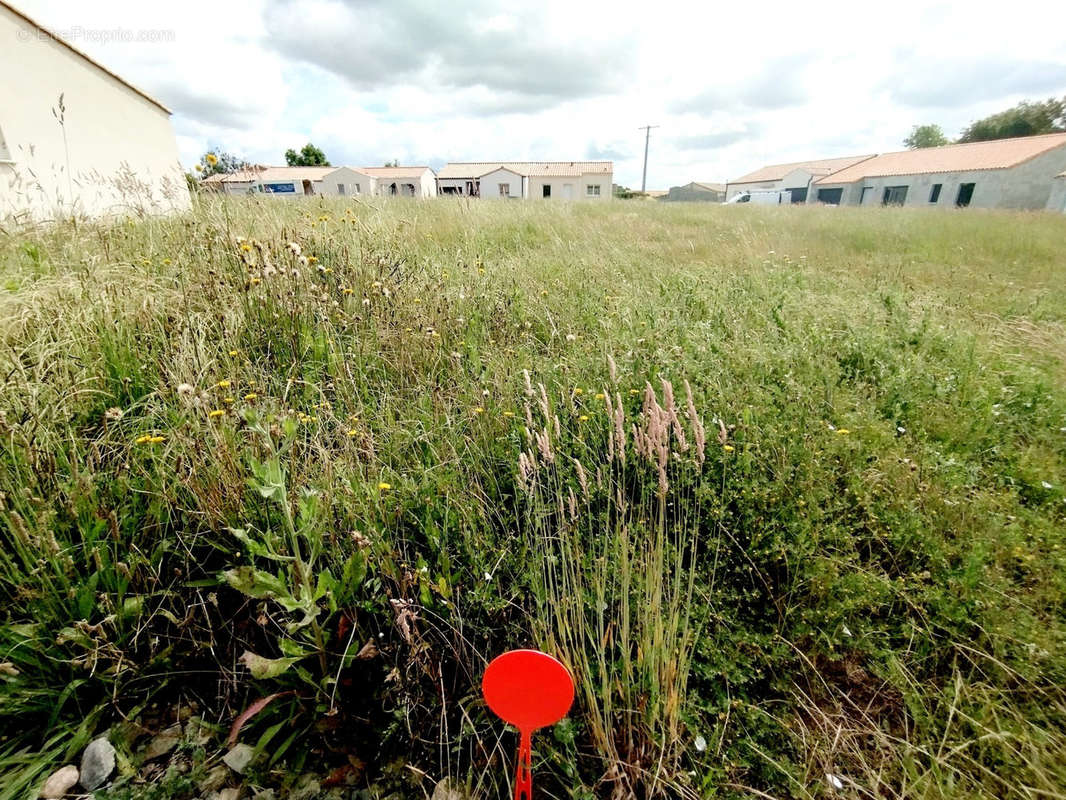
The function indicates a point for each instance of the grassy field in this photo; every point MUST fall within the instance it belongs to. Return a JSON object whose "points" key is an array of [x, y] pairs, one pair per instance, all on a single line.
{"points": [[785, 488]]}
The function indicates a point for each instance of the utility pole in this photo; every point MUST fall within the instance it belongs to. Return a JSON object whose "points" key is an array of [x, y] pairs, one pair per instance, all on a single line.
{"points": [[647, 136]]}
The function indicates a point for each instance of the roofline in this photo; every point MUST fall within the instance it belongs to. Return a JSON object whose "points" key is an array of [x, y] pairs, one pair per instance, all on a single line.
{"points": [[496, 169], [800, 165], [78, 52], [512, 161], [1018, 163]]}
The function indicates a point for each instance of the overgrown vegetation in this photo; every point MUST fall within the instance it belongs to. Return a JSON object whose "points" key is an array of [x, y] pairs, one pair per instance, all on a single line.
{"points": [[284, 458]]}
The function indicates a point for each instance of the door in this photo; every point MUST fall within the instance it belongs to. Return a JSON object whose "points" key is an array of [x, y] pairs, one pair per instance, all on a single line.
{"points": [[568, 191]]}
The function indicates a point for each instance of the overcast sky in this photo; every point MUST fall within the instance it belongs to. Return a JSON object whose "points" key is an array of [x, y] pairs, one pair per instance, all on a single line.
{"points": [[733, 87]]}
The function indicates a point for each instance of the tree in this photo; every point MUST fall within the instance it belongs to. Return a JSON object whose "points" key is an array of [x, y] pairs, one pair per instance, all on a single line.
{"points": [[1025, 119], [309, 156], [393, 163], [215, 161], [925, 136]]}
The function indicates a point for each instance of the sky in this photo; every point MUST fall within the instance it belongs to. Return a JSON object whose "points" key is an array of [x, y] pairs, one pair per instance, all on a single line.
{"points": [[732, 86]]}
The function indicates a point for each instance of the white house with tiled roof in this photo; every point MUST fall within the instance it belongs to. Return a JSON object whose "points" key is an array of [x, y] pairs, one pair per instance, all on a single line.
{"points": [[546, 180], [337, 181], [796, 176], [1004, 173], [75, 138]]}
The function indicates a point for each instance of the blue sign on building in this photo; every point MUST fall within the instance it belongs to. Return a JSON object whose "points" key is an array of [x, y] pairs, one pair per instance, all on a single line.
{"points": [[279, 188]]}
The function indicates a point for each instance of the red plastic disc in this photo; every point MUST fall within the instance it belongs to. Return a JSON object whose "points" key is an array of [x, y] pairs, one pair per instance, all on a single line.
{"points": [[528, 689]]}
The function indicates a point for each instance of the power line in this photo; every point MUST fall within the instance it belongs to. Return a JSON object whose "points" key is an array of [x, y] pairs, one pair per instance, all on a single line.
{"points": [[647, 137]]}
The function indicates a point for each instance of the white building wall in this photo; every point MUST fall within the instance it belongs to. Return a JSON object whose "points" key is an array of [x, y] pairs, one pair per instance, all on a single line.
{"points": [[355, 183], [1057, 200], [578, 187], [428, 186], [733, 189], [490, 184], [120, 154]]}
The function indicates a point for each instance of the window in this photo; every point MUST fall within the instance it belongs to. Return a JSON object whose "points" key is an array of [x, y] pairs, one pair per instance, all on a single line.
{"points": [[830, 196], [357, 189], [934, 194], [546, 190], [505, 190], [592, 190], [965, 194], [340, 188], [894, 196], [866, 192], [799, 195]]}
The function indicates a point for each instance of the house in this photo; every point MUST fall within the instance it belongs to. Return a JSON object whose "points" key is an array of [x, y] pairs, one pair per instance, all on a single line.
{"points": [[336, 181], [75, 138], [697, 192], [347, 181], [1004, 173], [796, 176], [403, 181], [1057, 200], [281, 181], [548, 180]]}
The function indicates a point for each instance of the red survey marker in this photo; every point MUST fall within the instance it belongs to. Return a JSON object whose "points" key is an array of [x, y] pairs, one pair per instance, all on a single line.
{"points": [[530, 690]]}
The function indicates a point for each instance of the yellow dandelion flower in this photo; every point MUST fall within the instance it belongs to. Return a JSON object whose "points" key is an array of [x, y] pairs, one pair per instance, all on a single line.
{"points": [[166, 261], [578, 390], [584, 418], [312, 259], [199, 168], [211, 159], [234, 352], [349, 291], [256, 281], [250, 396], [246, 247], [218, 412], [223, 384], [842, 431], [728, 448], [353, 432], [417, 301], [481, 271], [384, 487], [143, 439], [227, 399], [479, 410], [156, 439], [600, 395], [508, 414], [634, 391]]}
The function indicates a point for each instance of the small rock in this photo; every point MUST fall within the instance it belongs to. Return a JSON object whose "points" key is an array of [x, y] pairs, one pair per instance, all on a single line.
{"points": [[239, 757], [214, 778], [448, 789], [59, 782], [97, 763], [307, 788], [163, 743]]}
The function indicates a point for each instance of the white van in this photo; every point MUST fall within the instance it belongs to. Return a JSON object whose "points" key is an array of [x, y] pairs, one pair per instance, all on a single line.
{"points": [[763, 197]]}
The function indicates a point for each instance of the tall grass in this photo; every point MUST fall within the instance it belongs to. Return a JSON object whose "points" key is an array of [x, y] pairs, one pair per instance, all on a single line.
{"points": [[288, 450]]}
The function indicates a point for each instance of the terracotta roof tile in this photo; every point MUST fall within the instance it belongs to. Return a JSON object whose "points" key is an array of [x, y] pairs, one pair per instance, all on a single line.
{"points": [[775, 172], [997, 154], [393, 172]]}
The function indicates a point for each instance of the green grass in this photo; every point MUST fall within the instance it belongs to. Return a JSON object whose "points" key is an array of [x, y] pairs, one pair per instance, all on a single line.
{"points": [[221, 480]]}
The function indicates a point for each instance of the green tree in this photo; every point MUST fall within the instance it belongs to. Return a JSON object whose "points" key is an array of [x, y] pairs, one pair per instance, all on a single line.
{"points": [[925, 136], [393, 163], [1025, 119], [215, 161], [309, 156]]}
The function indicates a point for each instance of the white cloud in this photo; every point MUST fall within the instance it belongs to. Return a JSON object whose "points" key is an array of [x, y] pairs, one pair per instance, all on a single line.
{"points": [[732, 86]]}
